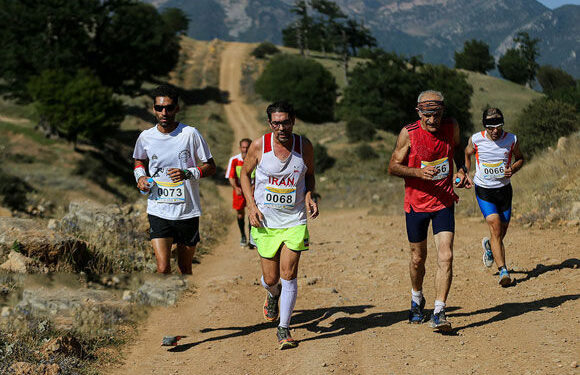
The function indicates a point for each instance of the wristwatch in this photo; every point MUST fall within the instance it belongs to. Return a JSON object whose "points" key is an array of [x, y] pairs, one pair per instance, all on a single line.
{"points": [[187, 173]]}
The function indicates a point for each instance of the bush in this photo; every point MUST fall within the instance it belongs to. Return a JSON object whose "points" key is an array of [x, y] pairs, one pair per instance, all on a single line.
{"points": [[475, 57], [360, 129], [13, 191], [264, 49], [366, 152], [513, 67], [322, 161], [303, 82], [552, 79], [543, 122]]}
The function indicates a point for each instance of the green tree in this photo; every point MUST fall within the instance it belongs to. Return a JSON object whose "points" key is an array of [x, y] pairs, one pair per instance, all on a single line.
{"points": [[176, 20], [529, 51], [303, 82], [542, 122], [512, 67], [474, 57], [383, 90], [301, 29], [552, 79], [77, 106]]}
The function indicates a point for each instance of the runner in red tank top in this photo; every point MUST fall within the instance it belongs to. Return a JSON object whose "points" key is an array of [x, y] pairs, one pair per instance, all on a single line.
{"points": [[424, 157]]}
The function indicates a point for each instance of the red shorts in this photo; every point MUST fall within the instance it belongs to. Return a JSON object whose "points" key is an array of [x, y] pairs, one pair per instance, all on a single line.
{"points": [[238, 202]]}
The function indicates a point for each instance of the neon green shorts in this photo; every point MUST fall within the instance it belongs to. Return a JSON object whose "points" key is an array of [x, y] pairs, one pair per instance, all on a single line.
{"points": [[269, 240]]}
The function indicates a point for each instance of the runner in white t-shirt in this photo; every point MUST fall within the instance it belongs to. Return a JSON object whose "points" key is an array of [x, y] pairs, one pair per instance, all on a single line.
{"points": [[277, 208], [176, 156], [498, 157]]}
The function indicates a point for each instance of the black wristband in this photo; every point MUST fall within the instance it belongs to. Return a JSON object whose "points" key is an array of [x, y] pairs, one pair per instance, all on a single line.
{"points": [[463, 168], [187, 173]]}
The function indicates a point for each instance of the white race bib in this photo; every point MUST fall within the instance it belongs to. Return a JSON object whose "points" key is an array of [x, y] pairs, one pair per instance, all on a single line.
{"points": [[169, 192], [493, 171], [442, 166], [276, 197]]}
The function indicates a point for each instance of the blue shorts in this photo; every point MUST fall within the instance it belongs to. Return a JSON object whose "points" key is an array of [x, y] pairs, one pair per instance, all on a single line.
{"points": [[495, 201], [418, 223]]}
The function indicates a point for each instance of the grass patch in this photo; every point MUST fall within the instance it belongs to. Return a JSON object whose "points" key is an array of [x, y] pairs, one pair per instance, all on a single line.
{"points": [[28, 131]]}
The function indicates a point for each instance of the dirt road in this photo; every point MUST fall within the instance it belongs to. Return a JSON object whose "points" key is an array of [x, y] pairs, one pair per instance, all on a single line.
{"points": [[354, 294]]}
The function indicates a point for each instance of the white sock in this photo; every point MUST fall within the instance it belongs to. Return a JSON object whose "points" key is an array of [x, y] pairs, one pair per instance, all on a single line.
{"points": [[416, 296], [438, 306], [273, 290], [287, 301]]}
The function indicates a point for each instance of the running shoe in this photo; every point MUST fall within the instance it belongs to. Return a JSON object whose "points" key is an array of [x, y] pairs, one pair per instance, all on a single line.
{"points": [[487, 254], [285, 340], [271, 306], [251, 246], [416, 314], [439, 322], [504, 277], [243, 241]]}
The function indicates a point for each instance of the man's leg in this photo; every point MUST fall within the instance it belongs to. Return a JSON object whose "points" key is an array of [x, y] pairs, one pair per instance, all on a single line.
{"points": [[185, 256], [162, 248], [417, 264], [288, 272], [270, 282], [496, 231], [417, 225], [241, 215], [444, 243]]}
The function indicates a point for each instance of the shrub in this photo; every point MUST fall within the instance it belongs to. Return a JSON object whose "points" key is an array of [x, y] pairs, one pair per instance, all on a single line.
{"points": [[366, 152], [475, 57], [264, 49], [303, 82], [13, 191], [360, 129], [322, 161], [543, 122]]}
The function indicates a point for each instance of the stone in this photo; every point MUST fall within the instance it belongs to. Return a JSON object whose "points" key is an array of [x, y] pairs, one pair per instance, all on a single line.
{"points": [[21, 264], [25, 368]]}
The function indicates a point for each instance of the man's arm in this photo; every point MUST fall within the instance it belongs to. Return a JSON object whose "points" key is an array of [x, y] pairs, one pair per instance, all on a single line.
{"points": [[206, 169], [469, 151], [396, 166], [460, 178], [310, 180], [517, 164], [142, 180], [250, 163]]}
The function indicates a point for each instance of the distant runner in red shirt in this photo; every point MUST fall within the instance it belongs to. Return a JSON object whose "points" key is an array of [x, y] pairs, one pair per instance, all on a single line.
{"points": [[424, 157], [238, 202]]}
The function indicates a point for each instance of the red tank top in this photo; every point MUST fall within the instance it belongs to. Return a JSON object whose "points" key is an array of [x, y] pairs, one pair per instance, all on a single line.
{"points": [[430, 149]]}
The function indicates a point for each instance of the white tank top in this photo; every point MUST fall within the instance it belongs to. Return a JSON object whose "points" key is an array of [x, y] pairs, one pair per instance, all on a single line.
{"points": [[280, 185], [492, 157]]}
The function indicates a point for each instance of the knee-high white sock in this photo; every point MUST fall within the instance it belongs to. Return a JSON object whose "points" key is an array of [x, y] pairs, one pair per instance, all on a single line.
{"points": [[274, 290], [287, 301]]}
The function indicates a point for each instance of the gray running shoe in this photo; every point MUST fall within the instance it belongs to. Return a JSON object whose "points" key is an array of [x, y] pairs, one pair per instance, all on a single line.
{"points": [[487, 254], [439, 322], [285, 340]]}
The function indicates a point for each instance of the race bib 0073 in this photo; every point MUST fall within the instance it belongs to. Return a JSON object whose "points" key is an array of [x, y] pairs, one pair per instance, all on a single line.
{"points": [[442, 166], [280, 197], [169, 192], [493, 171]]}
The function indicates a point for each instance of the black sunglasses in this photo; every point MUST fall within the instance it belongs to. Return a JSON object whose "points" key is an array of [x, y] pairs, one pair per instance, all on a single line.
{"points": [[168, 107], [285, 123]]}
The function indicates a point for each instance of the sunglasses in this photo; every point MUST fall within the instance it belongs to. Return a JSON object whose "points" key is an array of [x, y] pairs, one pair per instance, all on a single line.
{"points": [[285, 123], [490, 123], [168, 107]]}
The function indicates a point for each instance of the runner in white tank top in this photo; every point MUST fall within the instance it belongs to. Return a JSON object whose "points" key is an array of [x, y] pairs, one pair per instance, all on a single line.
{"points": [[497, 158], [277, 208]]}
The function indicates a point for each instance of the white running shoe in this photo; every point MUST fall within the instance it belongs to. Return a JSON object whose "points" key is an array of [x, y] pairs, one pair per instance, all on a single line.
{"points": [[487, 254]]}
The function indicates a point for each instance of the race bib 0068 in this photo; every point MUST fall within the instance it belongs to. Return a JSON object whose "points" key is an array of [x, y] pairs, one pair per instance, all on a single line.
{"points": [[280, 197], [442, 166]]}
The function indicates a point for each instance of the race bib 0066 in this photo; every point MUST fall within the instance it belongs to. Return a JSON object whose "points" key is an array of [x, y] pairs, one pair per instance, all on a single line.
{"points": [[280, 197], [442, 166], [169, 192], [493, 171]]}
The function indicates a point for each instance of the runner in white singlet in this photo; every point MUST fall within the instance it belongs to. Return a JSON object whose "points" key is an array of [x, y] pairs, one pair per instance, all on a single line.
{"points": [[277, 208], [497, 158], [176, 156]]}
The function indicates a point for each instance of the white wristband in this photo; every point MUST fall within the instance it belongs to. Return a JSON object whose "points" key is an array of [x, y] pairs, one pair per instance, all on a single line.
{"points": [[139, 172], [195, 173]]}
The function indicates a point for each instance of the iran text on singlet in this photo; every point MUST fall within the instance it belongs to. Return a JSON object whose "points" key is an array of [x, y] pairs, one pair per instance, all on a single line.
{"points": [[280, 185], [430, 149], [492, 157]]}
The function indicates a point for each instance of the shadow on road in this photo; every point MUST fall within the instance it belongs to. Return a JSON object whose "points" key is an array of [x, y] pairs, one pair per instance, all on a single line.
{"points": [[511, 310], [540, 269]]}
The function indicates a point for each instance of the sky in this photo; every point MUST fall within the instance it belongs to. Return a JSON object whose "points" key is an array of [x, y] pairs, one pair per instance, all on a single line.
{"points": [[557, 3]]}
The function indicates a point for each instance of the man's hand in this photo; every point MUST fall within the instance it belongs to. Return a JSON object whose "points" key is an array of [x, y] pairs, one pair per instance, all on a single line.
{"points": [[427, 173], [508, 172], [142, 184], [238, 190], [462, 180], [256, 217], [311, 207], [176, 175]]}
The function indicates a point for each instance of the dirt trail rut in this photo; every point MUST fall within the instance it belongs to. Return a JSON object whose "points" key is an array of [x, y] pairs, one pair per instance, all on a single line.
{"points": [[353, 298]]}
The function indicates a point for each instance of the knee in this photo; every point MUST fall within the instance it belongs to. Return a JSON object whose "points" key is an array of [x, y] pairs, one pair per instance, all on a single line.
{"points": [[445, 256], [271, 279], [417, 260], [163, 268]]}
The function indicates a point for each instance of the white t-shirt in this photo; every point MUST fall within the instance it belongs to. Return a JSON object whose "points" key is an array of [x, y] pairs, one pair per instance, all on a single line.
{"points": [[183, 148], [492, 158]]}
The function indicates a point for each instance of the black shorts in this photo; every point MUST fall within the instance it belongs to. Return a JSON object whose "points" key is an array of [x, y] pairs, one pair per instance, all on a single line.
{"points": [[418, 223], [185, 232], [495, 201]]}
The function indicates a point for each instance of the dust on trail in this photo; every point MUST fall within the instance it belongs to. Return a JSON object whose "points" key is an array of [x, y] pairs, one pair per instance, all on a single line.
{"points": [[354, 294]]}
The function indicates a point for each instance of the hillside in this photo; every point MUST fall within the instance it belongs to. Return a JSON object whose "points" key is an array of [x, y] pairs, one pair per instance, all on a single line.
{"points": [[433, 29]]}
